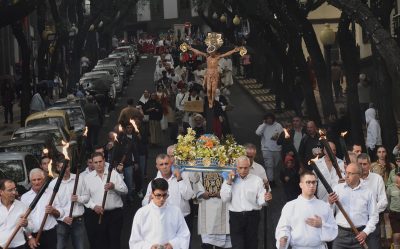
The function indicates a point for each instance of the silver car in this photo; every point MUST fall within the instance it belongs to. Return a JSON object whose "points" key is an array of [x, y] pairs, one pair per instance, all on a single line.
{"points": [[114, 71], [16, 166], [88, 79]]}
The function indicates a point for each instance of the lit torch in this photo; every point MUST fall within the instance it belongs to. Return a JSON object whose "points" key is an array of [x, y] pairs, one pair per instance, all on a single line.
{"points": [[287, 135], [344, 147], [134, 125], [85, 131], [45, 151], [329, 152]]}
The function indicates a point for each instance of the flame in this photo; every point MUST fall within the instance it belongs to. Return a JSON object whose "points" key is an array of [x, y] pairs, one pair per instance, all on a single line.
{"points": [[321, 134], [65, 149], [45, 151], [343, 134], [85, 131], [49, 168], [115, 136], [287, 135], [134, 125], [313, 160]]}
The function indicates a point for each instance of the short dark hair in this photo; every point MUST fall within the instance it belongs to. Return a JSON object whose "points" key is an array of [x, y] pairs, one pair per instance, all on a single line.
{"points": [[130, 101], [162, 156], [307, 173], [98, 146], [96, 154], [3, 183], [250, 146], [269, 115], [160, 184], [364, 156], [44, 157]]}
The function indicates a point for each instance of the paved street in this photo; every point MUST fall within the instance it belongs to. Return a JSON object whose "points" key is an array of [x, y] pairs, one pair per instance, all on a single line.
{"points": [[244, 119]]}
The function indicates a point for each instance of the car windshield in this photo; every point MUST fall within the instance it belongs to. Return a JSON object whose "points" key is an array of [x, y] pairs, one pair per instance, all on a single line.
{"points": [[54, 133], [12, 169], [34, 149], [75, 116], [59, 121]]}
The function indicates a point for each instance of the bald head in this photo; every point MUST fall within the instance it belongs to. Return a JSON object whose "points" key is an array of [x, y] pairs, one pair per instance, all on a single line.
{"points": [[311, 128]]}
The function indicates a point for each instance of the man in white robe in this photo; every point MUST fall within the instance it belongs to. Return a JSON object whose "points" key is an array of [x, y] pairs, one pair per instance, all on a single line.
{"points": [[159, 224], [306, 222], [213, 215]]}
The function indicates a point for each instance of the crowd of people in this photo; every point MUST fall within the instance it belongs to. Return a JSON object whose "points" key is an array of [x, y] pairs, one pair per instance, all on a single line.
{"points": [[227, 206]]}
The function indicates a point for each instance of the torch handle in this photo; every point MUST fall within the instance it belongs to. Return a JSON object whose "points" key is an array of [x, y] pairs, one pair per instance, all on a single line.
{"points": [[344, 149], [332, 157], [46, 215], [14, 233], [71, 209], [103, 204]]}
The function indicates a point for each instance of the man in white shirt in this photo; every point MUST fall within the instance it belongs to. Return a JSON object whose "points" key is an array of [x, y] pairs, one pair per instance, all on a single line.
{"points": [[181, 71], [48, 238], [255, 168], [360, 204], [11, 212], [180, 190], [306, 222], [325, 165], [159, 223], [70, 227], [107, 235], [269, 132], [374, 182], [245, 194]]}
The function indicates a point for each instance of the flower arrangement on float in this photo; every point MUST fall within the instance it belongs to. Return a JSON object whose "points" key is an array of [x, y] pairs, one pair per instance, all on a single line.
{"points": [[207, 153]]}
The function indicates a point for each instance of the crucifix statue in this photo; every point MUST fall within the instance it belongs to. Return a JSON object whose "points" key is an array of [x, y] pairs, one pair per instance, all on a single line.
{"points": [[211, 79]]}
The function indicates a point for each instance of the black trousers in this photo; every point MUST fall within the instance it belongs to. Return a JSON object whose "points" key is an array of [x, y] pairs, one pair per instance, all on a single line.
{"points": [[48, 239], [244, 229], [18, 247], [106, 235]]}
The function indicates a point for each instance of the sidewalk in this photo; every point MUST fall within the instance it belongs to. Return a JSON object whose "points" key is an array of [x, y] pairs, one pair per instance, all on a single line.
{"points": [[266, 100], [6, 130]]}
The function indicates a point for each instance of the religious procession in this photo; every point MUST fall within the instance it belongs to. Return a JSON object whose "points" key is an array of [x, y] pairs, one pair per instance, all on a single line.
{"points": [[218, 132]]}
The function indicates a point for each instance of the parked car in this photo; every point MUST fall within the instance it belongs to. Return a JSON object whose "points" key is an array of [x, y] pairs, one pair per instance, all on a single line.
{"points": [[118, 63], [114, 71], [54, 117], [33, 145], [75, 113], [90, 81], [130, 50], [16, 166], [58, 132]]}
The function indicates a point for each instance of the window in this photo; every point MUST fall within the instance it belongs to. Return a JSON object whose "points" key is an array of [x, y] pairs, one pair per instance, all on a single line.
{"points": [[31, 163], [12, 169]]}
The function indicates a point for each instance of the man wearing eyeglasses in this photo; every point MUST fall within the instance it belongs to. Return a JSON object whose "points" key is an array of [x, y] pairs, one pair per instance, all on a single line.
{"points": [[306, 222], [159, 224], [360, 204], [11, 212]]}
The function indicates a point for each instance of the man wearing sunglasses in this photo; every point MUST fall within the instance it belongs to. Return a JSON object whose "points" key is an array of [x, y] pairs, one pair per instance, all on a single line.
{"points": [[306, 222], [159, 224]]}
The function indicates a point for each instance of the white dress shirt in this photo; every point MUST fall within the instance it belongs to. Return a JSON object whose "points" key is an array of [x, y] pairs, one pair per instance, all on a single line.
{"points": [[375, 184], [330, 176], [360, 205], [244, 194], [266, 132], [38, 212], [292, 224], [8, 221], [94, 190], [64, 194], [179, 193], [159, 225], [258, 170]]}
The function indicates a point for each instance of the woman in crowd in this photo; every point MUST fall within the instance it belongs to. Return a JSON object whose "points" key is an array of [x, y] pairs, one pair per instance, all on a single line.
{"points": [[382, 166]]}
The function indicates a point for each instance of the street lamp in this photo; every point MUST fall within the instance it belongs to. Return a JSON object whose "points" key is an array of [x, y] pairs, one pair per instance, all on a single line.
{"points": [[236, 20], [223, 18], [327, 37]]}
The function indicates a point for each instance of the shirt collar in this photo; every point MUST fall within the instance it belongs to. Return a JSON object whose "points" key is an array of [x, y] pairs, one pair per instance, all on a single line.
{"points": [[357, 187]]}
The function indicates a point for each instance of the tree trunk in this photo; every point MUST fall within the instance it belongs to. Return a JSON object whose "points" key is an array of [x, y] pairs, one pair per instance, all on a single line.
{"points": [[350, 58], [26, 80], [385, 45], [43, 46]]}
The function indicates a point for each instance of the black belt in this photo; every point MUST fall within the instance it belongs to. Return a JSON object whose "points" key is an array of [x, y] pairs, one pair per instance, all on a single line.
{"points": [[350, 230], [245, 212]]}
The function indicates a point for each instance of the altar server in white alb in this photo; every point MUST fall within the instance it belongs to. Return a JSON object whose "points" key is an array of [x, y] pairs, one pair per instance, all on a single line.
{"points": [[306, 222], [159, 224]]}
